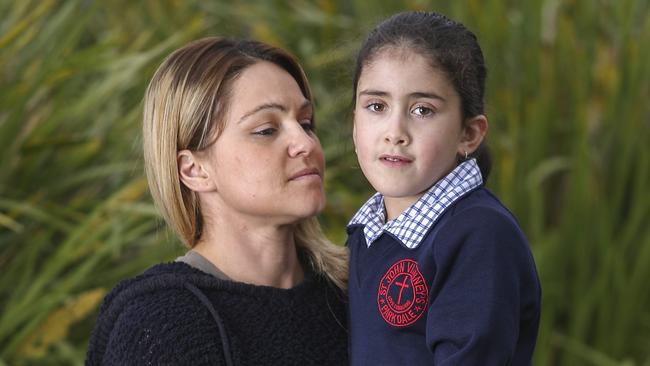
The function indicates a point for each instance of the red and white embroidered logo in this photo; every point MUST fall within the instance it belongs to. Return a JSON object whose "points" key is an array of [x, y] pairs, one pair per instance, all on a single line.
{"points": [[402, 295]]}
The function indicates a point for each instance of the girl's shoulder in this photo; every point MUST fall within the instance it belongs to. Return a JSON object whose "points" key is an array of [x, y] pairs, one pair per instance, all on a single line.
{"points": [[481, 218], [481, 207], [480, 232]]}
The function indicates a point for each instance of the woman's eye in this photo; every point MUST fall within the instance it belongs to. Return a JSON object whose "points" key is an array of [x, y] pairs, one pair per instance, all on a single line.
{"points": [[422, 111], [308, 125], [376, 107], [265, 132]]}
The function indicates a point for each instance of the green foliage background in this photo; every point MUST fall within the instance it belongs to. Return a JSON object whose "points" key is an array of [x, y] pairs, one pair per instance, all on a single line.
{"points": [[568, 101]]}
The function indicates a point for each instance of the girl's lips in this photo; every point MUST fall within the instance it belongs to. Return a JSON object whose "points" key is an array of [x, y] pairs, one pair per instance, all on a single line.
{"points": [[395, 161]]}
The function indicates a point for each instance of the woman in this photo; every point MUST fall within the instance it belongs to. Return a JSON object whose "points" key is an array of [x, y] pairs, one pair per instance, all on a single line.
{"points": [[236, 170]]}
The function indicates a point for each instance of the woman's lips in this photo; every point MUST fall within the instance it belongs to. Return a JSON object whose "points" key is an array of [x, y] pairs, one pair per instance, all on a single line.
{"points": [[308, 173]]}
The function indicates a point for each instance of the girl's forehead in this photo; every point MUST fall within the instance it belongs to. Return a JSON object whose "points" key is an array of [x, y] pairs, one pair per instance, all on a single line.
{"points": [[402, 52], [396, 52], [404, 55], [401, 63], [399, 74]]}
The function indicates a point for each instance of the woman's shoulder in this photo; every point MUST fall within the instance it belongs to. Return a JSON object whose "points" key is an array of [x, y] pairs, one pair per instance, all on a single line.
{"points": [[160, 278], [164, 327], [154, 314]]}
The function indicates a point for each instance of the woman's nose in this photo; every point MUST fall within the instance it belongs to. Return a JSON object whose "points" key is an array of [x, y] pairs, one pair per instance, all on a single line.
{"points": [[302, 141]]}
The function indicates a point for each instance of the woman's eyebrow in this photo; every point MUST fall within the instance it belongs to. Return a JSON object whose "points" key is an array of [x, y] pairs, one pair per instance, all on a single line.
{"points": [[277, 106], [263, 107]]}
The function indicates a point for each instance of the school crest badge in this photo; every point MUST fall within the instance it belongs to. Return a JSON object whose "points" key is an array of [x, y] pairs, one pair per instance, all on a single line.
{"points": [[402, 295]]}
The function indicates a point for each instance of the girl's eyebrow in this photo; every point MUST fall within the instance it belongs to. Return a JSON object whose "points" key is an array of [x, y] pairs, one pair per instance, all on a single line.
{"points": [[376, 93], [379, 93], [429, 95]]}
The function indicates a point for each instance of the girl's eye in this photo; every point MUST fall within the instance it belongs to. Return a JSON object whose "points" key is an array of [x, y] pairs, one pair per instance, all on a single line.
{"points": [[422, 111], [265, 132], [376, 107]]}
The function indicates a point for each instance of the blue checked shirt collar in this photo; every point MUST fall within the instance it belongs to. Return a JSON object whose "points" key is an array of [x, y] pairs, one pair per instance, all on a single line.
{"points": [[413, 224]]}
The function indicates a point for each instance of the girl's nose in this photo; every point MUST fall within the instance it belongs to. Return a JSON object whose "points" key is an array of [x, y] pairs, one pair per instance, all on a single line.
{"points": [[396, 132]]}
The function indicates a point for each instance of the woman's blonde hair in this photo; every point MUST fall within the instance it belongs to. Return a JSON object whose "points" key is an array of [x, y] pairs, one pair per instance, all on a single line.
{"points": [[184, 108]]}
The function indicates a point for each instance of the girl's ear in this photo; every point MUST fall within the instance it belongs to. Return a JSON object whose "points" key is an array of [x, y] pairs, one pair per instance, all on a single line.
{"points": [[192, 173], [473, 134]]}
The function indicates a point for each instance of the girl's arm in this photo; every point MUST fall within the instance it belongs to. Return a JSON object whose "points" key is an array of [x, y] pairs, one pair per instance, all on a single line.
{"points": [[485, 298]]}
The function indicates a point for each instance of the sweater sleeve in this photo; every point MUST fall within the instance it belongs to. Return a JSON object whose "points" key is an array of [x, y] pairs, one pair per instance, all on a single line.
{"points": [[485, 289], [167, 327]]}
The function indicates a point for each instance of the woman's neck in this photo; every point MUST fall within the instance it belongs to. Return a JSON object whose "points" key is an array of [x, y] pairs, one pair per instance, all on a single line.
{"points": [[255, 254]]}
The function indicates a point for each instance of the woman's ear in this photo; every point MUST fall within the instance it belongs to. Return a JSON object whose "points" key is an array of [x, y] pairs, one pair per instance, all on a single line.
{"points": [[473, 134], [192, 173]]}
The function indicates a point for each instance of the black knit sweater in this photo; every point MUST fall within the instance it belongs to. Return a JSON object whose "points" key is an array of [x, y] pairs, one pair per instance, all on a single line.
{"points": [[174, 314]]}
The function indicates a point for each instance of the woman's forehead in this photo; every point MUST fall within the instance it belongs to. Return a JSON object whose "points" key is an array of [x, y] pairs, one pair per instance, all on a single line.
{"points": [[265, 84]]}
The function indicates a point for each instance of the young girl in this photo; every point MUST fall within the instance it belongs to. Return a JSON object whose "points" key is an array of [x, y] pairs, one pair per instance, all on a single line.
{"points": [[440, 272]]}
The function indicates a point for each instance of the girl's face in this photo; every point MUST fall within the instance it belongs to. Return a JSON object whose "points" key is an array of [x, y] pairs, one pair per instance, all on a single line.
{"points": [[407, 126], [267, 163]]}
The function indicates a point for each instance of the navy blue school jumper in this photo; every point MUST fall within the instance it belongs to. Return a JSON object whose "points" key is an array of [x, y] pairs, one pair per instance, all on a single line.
{"points": [[451, 281]]}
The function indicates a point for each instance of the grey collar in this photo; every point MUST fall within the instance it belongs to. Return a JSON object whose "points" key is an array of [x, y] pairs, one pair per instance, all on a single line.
{"points": [[196, 260]]}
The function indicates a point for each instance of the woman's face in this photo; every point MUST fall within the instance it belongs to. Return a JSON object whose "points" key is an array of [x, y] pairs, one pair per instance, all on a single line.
{"points": [[267, 163]]}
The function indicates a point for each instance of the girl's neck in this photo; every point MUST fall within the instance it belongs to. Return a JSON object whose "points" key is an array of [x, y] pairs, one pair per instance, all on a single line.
{"points": [[396, 205], [259, 255]]}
